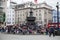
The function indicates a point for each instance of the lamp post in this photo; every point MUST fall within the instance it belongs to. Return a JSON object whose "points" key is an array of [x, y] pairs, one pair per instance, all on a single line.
{"points": [[57, 6]]}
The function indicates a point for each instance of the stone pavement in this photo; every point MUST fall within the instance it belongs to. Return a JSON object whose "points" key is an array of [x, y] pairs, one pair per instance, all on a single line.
{"points": [[27, 37]]}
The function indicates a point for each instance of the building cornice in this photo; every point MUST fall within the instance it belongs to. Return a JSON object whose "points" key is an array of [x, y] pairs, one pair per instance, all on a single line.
{"points": [[34, 8]]}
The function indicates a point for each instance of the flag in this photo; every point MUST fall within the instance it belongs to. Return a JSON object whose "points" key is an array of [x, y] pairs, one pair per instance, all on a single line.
{"points": [[35, 1]]}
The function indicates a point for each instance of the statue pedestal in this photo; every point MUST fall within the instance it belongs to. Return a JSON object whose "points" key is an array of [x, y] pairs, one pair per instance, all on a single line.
{"points": [[31, 20]]}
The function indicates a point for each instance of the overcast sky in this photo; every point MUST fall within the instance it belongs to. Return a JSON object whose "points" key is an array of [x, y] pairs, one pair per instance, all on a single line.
{"points": [[49, 2]]}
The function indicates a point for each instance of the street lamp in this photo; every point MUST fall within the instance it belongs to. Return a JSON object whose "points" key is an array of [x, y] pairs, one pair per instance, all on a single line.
{"points": [[57, 6]]}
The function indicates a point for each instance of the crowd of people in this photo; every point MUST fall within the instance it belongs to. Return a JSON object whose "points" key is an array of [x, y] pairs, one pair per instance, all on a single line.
{"points": [[30, 29]]}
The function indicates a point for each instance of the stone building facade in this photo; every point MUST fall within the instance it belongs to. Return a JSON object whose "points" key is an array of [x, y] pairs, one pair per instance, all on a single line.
{"points": [[42, 12]]}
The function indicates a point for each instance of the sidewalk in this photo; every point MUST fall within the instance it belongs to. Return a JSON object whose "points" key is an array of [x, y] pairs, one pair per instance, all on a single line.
{"points": [[27, 37]]}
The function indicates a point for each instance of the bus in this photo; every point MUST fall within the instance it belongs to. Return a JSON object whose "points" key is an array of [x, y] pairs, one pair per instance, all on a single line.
{"points": [[55, 25]]}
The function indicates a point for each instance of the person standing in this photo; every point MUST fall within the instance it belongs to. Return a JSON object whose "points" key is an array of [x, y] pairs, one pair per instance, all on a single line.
{"points": [[51, 31], [46, 31]]}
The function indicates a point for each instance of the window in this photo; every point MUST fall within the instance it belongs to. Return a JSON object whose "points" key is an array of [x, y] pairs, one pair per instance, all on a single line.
{"points": [[10, 15], [27, 14], [39, 18], [41, 22], [49, 12], [50, 21], [8, 22], [4, 0], [36, 10], [17, 11], [39, 10], [0, 0], [45, 12], [20, 14], [54, 20], [10, 18], [39, 14], [13, 22], [59, 20], [13, 18], [23, 14], [45, 20], [55, 16], [13, 11], [13, 15], [36, 14]]}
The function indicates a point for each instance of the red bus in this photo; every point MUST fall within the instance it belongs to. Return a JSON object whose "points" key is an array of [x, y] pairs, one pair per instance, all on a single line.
{"points": [[53, 24]]}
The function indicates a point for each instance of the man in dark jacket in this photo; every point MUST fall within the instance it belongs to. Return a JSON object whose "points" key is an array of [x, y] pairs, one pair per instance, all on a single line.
{"points": [[51, 31]]}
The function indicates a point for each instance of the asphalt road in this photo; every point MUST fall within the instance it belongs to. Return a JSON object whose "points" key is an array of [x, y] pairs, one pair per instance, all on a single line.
{"points": [[27, 37]]}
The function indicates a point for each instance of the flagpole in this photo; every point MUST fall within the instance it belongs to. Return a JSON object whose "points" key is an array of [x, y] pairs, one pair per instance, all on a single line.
{"points": [[35, 1]]}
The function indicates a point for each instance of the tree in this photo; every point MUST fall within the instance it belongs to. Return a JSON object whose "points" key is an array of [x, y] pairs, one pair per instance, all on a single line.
{"points": [[4, 16]]}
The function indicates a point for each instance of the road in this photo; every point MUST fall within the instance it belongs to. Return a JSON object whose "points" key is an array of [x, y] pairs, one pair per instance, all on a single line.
{"points": [[27, 37]]}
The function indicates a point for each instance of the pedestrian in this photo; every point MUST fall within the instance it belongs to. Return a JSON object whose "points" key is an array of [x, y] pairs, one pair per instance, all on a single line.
{"points": [[46, 31], [0, 29], [51, 31]]}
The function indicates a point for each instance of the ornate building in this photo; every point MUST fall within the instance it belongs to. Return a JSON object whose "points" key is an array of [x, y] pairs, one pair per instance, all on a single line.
{"points": [[10, 13], [42, 12]]}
